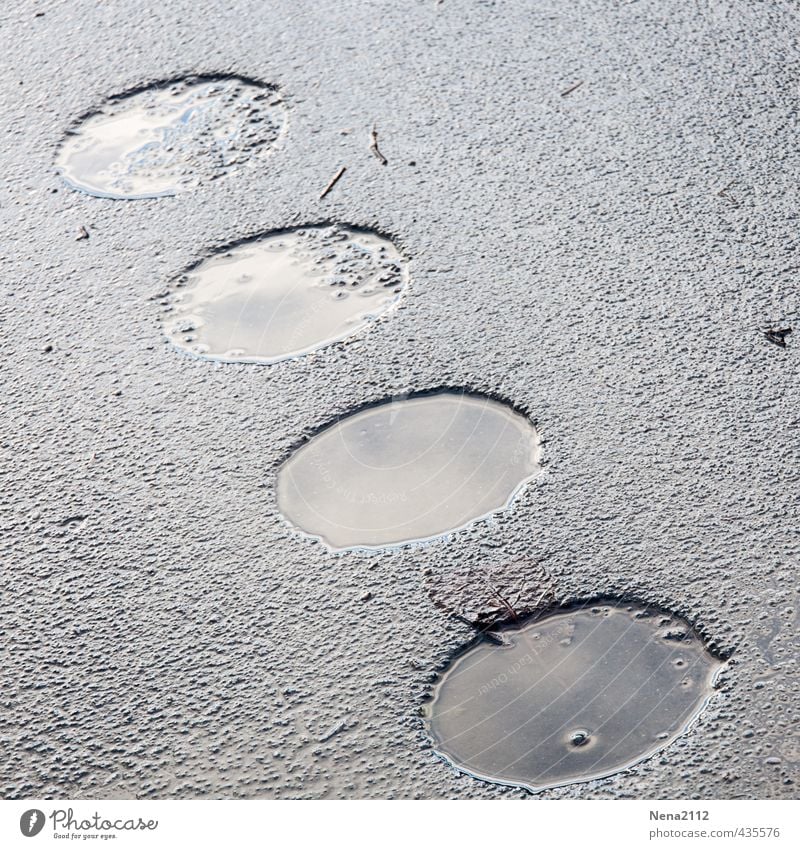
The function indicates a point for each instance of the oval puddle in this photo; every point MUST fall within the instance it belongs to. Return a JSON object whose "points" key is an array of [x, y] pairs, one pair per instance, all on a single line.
{"points": [[408, 470], [577, 695], [168, 138], [285, 294]]}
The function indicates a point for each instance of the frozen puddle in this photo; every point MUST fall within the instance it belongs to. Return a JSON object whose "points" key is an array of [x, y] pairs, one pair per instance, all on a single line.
{"points": [[408, 470], [285, 294], [577, 695], [169, 138]]}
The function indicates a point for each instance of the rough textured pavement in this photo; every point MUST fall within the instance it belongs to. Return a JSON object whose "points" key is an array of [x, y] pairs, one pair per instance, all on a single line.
{"points": [[164, 633]]}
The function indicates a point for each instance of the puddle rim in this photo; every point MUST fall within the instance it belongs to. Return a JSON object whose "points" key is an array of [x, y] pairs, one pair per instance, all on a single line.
{"points": [[717, 683], [439, 389], [225, 247], [445, 537], [72, 126]]}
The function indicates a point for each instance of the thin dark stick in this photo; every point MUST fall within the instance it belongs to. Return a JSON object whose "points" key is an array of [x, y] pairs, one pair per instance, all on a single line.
{"points": [[572, 88], [334, 181], [723, 193], [373, 146], [503, 601]]}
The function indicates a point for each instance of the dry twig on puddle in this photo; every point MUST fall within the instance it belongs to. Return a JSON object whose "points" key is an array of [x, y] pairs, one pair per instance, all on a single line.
{"points": [[572, 88], [373, 146], [334, 181]]}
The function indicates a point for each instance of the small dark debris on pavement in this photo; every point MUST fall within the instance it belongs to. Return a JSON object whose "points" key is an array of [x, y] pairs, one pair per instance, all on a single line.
{"points": [[778, 337], [573, 87], [373, 146], [333, 182], [723, 193]]}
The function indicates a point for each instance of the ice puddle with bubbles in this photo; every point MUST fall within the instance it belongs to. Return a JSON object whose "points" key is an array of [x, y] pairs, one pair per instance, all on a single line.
{"points": [[285, 294], [576, 695], [168, 138]]}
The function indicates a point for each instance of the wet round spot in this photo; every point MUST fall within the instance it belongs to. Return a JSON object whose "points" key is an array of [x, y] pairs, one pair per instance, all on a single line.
{"points": [[537, 713], [408, 470], [169, 138], [285, 294]]}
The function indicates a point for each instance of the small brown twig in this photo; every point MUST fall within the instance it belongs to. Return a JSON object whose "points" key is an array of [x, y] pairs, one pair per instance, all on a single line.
{"points": [[723, 193], [373, 146], [334, 181], [572, 88], [503, 601], [518, 596]]}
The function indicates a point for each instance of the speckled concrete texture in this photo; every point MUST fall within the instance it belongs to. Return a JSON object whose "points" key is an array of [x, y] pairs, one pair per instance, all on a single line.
{"points": [[602, 259]]}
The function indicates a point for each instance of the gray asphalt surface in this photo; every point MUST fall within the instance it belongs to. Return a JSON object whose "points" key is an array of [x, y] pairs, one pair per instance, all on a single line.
{"points": [[164, 633]]}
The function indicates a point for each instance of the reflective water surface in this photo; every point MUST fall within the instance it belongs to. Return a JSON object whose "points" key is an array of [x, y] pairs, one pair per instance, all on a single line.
{"points": [[285, 294], [576, 695], [166, 139], [408, 470]]}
